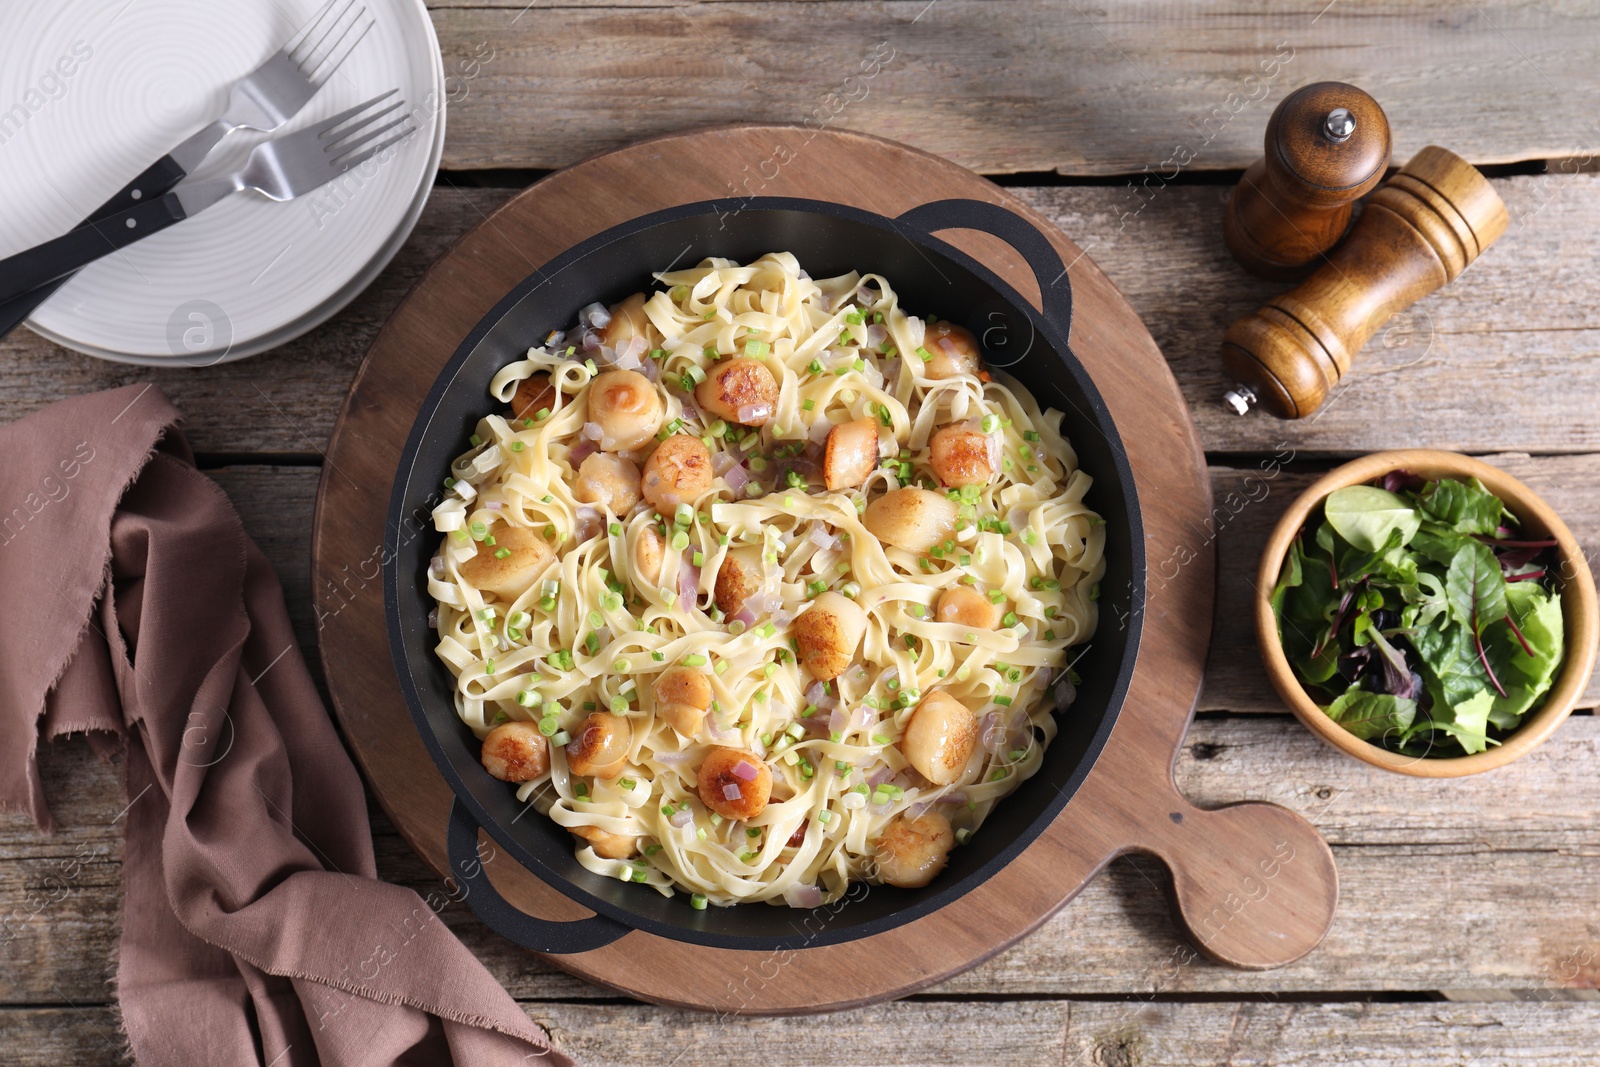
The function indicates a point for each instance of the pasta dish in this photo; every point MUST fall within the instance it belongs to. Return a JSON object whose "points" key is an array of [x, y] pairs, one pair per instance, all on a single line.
{"points": [[757, 584]]}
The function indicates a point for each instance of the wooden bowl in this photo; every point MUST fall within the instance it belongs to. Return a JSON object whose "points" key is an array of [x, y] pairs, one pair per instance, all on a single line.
{"points": [[1574, 583]]}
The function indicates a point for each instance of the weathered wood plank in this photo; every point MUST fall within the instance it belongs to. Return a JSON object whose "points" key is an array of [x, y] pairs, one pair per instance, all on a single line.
{"points": [[1501, 360], [1435, 883], [1024, 85], [924, 1033], [919, 1033], [1498, 361]]}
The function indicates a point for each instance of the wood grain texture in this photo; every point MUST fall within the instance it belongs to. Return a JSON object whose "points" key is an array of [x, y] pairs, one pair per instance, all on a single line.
{"points": [[1449, 863], [933, 1033], [1500, 360], [1016, 85]]}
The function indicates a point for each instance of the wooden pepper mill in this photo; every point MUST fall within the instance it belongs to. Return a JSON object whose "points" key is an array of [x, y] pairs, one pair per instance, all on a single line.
{"points": [[1418, 232], [1327, 146]]}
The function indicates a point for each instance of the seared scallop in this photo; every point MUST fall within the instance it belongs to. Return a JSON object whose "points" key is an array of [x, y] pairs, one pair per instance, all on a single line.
{"points": [[954, 351], [606, 844], [964, 455], [626, 407], [828, 634], [511, 565], [851, 454], [534, 394], [911, 518], [738, 578], [734, 784], [965, 606], [940, 738], [599, 747], [682, 696], [648, 550], [628, 321], [607, 480], [740, 390], [677, 472], [516, 752], [910, 852]]}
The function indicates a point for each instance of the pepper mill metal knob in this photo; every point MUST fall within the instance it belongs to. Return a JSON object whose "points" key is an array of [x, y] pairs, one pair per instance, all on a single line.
{"points": [[1417, 233], [1326, 147]]}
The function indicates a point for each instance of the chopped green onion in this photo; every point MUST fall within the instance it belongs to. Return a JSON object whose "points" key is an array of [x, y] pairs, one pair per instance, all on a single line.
{"points": [[694, 659], [698, 901], [680, 540]]}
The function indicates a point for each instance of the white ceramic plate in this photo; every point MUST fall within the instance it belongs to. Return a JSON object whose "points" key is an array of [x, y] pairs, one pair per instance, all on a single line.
{"points": [[93, 91]]}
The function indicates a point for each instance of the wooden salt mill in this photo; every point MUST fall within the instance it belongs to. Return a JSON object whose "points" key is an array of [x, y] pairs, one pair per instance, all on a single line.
{"points": [[1327, 145], [1418, 232]]}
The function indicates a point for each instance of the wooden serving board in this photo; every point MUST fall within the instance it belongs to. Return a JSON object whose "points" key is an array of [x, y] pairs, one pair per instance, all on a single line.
{"points": [[1254, 884]]}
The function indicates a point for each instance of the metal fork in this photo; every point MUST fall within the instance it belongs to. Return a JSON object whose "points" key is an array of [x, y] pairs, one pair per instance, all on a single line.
{"points": [[262, 100], [274, 92], [280, 169]]}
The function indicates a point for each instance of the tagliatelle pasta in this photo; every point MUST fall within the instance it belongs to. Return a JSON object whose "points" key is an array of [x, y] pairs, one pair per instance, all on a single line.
{"points": [[723, 676]]}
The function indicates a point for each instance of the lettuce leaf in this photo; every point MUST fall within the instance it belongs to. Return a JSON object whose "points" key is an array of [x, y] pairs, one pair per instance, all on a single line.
{"points": [[1372, 715]]}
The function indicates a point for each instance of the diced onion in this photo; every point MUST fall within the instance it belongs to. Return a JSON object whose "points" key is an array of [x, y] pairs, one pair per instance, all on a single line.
{"points": [[681, 818], [992, 733], [879, 776], [841, 721], [436, 566], [731, 791], [957, 797], [737, 477], [688, 586], [595, 315], [745, 771], [749, 413], [803, 896], [592, 431]]}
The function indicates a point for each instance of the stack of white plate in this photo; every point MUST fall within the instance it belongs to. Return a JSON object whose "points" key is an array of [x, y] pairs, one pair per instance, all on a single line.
{"points": [[94, 91]]}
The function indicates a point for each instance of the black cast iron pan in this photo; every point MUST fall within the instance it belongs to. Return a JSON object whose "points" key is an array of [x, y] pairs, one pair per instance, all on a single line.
{"points": [[931, 277]]}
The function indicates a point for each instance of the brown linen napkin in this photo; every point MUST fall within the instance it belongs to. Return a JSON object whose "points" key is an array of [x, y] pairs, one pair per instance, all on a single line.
{"points": [[254, 929]]}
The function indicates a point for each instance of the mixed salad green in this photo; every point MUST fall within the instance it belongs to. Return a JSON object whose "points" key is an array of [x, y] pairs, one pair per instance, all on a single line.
{"points": [[1418, 618]]}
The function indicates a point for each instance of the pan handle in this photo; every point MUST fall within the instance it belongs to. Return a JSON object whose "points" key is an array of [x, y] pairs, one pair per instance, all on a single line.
{"points": [[1055, 289], [540, 935]]}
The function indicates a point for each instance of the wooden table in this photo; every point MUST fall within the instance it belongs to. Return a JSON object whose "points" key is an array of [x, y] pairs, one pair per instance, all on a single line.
{"points": [[1469, 926]]}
